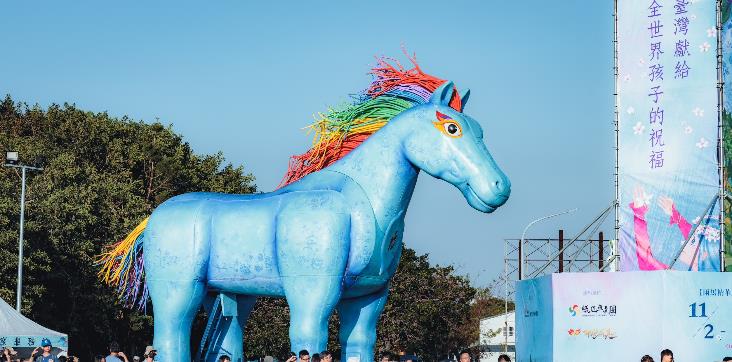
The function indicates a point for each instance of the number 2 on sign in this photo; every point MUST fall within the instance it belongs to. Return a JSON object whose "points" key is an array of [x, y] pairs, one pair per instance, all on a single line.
{"points": [[703, 308], [709, 329]]}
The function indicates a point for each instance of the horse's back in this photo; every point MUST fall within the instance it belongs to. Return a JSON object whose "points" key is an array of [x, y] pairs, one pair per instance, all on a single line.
{"points": [[243, 251], [177, 237]]}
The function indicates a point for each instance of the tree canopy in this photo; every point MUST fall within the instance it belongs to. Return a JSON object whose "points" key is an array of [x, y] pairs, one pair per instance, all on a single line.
{"points": [[101, 177]]}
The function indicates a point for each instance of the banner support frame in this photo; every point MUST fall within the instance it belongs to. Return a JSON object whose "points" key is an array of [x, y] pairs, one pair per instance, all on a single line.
{"points": [[616, 252], [720, 134]]}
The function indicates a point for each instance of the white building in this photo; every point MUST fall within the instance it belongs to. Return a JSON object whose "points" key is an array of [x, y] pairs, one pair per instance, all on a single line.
{"points": [[498, 334]]}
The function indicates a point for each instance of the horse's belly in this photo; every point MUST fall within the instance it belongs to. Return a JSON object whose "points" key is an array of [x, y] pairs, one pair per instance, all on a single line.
{"points": [[243, 251]]}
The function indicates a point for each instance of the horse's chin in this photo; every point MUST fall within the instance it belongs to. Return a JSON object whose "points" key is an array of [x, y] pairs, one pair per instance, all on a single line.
{"points": [[476, 202]]}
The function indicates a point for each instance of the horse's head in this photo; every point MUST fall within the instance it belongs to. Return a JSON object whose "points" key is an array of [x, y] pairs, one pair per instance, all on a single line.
{"points": [[448, 145]]}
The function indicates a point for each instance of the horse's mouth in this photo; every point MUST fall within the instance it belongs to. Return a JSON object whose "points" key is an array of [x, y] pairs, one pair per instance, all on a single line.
{"points": [[481, 205]]}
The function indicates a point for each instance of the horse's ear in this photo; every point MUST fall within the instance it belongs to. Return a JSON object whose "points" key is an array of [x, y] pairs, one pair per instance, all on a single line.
{"points": [[442, 94], [464, 95]]}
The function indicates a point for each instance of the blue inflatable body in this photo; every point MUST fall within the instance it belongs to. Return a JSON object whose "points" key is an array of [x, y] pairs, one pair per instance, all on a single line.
{"points": [[329, 240]]}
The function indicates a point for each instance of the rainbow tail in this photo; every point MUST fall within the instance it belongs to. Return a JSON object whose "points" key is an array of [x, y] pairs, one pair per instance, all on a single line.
{"points": [[123, 268]]}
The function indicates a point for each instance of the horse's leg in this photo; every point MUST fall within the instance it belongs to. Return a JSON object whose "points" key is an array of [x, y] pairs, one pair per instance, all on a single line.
{"points": [[358, 325], [312, 251], [174, 305], [231, 342], [312, 301], [176, 250]]}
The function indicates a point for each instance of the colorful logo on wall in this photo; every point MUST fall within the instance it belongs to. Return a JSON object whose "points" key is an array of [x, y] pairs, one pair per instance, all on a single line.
{"points": [[573, 310], [601, 333], [599, 310]]}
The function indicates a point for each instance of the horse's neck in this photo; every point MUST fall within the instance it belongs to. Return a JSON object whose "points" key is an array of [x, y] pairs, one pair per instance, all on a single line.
{"points": [[379, 166]]}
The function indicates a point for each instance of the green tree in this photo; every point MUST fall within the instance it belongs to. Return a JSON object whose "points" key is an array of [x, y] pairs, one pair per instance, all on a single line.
{"points": [[102, 176]]}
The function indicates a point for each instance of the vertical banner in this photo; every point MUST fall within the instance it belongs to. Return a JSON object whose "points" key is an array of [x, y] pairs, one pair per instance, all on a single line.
{"points": [[668, 134]]}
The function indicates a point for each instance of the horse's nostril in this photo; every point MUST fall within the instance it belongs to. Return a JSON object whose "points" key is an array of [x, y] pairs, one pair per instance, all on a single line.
{"points": [[502, 186]]}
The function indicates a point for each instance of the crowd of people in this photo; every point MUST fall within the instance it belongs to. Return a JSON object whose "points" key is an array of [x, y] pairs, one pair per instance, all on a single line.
{"points": [[43, 354]]}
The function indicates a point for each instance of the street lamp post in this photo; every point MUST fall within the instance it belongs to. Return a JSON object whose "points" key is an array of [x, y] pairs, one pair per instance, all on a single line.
{"points": [[11, 160], [522, 241]]}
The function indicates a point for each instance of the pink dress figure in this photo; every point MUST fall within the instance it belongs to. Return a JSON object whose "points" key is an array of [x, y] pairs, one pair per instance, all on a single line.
{"points": [[646, 261]]}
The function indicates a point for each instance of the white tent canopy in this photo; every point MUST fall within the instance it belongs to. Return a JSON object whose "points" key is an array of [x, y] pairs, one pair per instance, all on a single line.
{"points": [[18, 331]]}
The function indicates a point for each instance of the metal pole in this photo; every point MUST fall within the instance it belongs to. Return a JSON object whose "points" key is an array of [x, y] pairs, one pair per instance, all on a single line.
{"points": [[707, 211], [609, 262], [520, 259], [600, 251], [20, 242], [23, 169], [505, 305], [616, 121], [561, 247]]}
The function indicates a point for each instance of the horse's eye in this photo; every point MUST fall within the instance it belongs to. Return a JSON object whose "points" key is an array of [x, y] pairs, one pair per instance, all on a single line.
{"points": [[452, 129], [449, 127]]}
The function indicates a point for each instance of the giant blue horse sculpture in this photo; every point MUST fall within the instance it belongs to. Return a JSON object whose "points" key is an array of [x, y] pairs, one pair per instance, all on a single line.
{"points": [[329, 240]]}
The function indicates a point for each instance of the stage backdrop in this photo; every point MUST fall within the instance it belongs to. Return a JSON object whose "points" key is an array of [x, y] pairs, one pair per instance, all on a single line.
{"points": [[623, 316], [667, 104]]}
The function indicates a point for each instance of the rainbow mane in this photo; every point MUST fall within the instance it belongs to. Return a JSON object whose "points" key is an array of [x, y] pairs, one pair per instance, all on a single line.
{"points": [[340, 130]]}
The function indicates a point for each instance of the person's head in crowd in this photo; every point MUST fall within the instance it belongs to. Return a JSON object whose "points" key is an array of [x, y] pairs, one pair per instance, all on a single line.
{"points": [[292, 357], [667, 355], [304, 355], [315, 357], [99, 358], [9, 352], [326, 356], [150, 353], [224, 358], [136, 359], [504, 358], [113, 348], [726, 359], [464, 356], [385, 357], [46, 344], [62, 359], [646, 358]]}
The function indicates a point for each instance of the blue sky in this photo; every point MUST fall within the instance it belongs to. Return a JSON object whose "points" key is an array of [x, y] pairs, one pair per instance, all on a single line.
{"points": [[245, 77]]}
